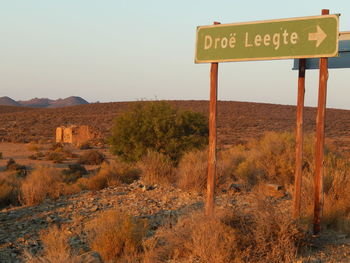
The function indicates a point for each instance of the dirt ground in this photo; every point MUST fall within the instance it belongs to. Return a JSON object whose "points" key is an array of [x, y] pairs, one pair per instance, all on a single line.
{"points": [[21, 152], [237, 121]]}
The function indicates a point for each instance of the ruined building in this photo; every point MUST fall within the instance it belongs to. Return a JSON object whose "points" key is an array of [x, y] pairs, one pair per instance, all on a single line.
{"points": [[75, 134]]}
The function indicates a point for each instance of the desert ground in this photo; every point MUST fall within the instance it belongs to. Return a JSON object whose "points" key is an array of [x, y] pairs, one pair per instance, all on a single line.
{"points": [[64, 226]]}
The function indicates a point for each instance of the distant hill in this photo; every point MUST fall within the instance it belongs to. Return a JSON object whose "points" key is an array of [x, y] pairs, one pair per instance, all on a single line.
{"points": [[70, 101], [44, 102], [36, 103], [6, 101]]}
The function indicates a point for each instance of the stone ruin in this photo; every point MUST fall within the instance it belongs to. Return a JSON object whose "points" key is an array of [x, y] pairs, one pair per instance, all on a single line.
{"points": [[75, 134]]}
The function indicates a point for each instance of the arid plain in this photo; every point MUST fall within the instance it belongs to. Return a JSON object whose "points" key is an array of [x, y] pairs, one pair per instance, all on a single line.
{"points": [[65, 225]]}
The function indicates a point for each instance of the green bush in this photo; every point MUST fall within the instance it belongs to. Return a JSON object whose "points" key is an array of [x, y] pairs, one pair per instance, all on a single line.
{"points": [[159, 127]]}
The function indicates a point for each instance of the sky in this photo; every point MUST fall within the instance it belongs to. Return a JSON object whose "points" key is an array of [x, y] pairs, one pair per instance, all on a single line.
{"points": [[125, 50]]}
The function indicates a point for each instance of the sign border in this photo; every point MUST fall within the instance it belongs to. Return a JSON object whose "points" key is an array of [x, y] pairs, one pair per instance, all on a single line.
{"points": [[334, 54]]}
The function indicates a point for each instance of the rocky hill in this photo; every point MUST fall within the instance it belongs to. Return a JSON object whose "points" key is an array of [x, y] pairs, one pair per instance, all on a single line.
{"points": [[44, 102], [6, 101], [70, 101]]}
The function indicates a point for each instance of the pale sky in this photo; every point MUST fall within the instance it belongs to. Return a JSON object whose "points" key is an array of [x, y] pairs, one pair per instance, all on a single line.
{"points": [[123, 50]]}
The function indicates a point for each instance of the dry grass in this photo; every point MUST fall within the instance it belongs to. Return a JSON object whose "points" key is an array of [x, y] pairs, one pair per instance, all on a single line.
{"points": [[263, 234], [117, 237], [56, 248], [110, 174], [91, 157], [336, 198], [274, 155], [270, 159], [192, 171], [56, 157], [336, 210], [42, 183], [9, 189], [157, 168], [194, 238], [73, 173]]}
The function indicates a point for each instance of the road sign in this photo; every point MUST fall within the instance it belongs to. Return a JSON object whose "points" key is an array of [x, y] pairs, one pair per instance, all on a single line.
{"points": [[305, 37], [342, 61]]}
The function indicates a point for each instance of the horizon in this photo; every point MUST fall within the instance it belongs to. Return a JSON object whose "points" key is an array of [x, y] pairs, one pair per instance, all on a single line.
{"points": [[150, 100], [131, 50]]}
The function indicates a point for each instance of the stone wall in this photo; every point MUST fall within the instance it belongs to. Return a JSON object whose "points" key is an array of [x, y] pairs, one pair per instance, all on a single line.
{"points": [[75, 134]]}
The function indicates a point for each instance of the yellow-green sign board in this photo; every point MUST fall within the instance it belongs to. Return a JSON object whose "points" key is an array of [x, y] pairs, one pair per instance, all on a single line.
{"points": [[305, 37]]}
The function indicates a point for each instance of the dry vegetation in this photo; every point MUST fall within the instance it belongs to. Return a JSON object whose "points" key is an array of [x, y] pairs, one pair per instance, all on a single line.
{"points": [[237, 121], [117, 237], [157, 168], [262, 232], [57, 249], [110, 174], [265, 233], [42, 183]]}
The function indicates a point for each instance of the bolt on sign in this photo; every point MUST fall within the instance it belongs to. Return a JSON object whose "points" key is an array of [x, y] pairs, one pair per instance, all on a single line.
{"points": [[305, 37]]}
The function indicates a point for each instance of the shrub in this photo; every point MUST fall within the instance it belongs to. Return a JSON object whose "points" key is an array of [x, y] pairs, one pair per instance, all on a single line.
{"points": [[1, 157], [36, 156], [157, 126], [56, 146], [157, 168], [56, 157], [20, 170], [268, 159], [56, 248], [73, 173], [68, 153], [262, 234], [275, 157], [192, 171], [85, 146], [238, 164], [9, 190], [43, 182], [91, 157], [117, 237], [336, 212], [110, 174]]}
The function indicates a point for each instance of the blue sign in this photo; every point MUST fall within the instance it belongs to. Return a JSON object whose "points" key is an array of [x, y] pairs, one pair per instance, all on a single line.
{"points": [[342, 61]]}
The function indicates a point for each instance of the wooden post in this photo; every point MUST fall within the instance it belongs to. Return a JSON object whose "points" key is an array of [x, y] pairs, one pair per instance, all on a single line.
{"points": [[320, 136], [299, 140], [209, 207]]}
